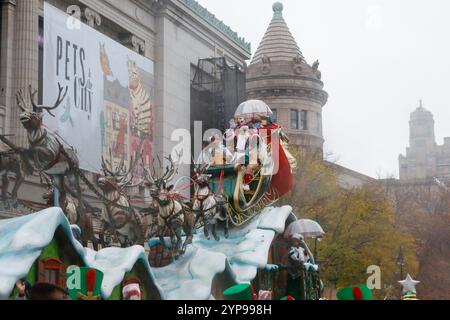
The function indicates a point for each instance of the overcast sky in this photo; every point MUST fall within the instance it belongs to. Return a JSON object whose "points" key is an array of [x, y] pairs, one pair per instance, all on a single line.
{"points": [[378, 58]]}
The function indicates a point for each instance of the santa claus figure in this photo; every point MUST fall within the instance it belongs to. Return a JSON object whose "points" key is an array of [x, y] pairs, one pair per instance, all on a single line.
{"points": [[131, 292]]}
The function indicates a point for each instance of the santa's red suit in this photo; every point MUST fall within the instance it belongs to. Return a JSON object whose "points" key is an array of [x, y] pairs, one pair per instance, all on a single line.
{"points": [[282, 180]]}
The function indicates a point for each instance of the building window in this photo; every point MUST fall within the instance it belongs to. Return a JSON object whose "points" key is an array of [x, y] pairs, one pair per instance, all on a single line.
{"points": [[274, 116], [115, 121], [294, 119], [50, 276], [304, 120], [52, 271], [319, 123]]}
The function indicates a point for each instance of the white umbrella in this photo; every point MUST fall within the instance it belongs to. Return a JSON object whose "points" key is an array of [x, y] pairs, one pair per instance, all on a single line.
{"points": [[306, 227], [251, 108]]}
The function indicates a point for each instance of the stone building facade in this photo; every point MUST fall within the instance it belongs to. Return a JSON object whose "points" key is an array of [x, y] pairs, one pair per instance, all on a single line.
{"points": [[348, 178], [175, 34], [424, 158], [280, 76]]}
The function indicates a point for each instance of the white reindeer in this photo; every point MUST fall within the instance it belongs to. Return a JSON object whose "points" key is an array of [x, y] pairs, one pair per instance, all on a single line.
{"points": [[210, 207]]}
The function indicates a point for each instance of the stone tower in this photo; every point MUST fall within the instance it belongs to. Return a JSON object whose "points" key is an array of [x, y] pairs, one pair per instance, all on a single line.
{"points": [[421, 130], [280, 76], [422, 154]]}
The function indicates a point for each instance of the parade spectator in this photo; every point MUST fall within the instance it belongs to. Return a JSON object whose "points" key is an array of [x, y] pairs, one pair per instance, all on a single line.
{"points": [[131, 291], [294, 262], [47, 291], [23, 287]]}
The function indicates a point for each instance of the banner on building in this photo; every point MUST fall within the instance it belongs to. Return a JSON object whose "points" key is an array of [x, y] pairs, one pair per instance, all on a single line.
{"points": [[108, 110]]}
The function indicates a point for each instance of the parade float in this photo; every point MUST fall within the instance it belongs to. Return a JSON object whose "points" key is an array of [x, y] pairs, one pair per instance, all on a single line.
{"points": [[162, 249], [409, 291]]}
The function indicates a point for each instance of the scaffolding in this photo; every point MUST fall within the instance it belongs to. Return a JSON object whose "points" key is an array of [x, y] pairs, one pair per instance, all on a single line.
{"points": [[216, 90]]}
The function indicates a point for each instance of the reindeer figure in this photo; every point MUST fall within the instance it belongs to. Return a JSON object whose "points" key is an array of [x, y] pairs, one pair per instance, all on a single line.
{"points": [[173, 215], [211, 207], [46, 152], [20, 167], [128, 226], [84, 221]]}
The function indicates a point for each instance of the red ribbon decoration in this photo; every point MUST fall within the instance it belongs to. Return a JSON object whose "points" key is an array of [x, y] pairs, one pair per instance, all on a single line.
{"points": [[91, 276], [357, 293]]}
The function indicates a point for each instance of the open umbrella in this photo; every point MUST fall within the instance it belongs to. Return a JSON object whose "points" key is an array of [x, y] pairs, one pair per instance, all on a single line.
{"points": [[252, 108], [306, 227]]}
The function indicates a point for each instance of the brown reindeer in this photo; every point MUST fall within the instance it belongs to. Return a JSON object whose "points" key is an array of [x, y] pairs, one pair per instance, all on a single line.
{"points": [[46, 152], [70, 209], [118, 216], [10, 162], [173, 214]]}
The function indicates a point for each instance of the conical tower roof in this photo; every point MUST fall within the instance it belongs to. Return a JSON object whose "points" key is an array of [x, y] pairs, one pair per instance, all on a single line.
{"points": [[278, 42]]}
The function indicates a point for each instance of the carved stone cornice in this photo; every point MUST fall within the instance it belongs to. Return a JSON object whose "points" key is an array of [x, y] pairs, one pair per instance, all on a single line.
{"points": [[5, 2], [308, 93], [256, 78], [93, 18], [212, 20], [136, 43], [159, 4]]}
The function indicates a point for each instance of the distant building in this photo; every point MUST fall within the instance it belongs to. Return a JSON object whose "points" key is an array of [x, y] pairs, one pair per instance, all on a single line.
{"points": [[280, 76], [348, 178], [424, 159]]}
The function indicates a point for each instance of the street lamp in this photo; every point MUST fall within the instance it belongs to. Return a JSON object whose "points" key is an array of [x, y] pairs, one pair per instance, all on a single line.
{"points": [[401, 262], [316, 239]]}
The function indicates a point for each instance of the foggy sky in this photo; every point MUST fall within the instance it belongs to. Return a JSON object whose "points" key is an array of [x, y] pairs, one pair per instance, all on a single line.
{"points": [[378, 58]]}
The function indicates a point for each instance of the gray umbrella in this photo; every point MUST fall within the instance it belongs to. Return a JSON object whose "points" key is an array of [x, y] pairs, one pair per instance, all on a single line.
{"points": [[306, 227]]}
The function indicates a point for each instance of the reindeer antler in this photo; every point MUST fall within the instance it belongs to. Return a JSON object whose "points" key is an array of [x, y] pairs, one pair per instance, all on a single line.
{"points": [[122, 174], [170, 172], [59, 100], [106, 166], [200, 168], [148, 176]]}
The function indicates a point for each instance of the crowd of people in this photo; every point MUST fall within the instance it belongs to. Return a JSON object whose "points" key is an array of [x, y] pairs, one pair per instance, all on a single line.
{"points": [[49, 291]]}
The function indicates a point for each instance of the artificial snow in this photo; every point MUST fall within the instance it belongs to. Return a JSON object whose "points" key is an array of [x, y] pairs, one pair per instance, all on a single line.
{"points": [[190, 278], [22, 240], [115, 263], [274, 218], [247, 248], [244, 252]]}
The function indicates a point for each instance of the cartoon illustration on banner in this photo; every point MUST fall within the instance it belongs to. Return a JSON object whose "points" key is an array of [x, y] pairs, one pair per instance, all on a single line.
{"points": [[109, 101]]}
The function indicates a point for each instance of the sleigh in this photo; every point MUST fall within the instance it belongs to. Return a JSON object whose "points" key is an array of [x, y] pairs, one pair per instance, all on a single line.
{"points": [[243, 203]]}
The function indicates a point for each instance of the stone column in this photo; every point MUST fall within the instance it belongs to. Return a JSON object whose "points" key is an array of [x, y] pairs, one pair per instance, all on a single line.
{"points": [[7, 23], [26, 59]]}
